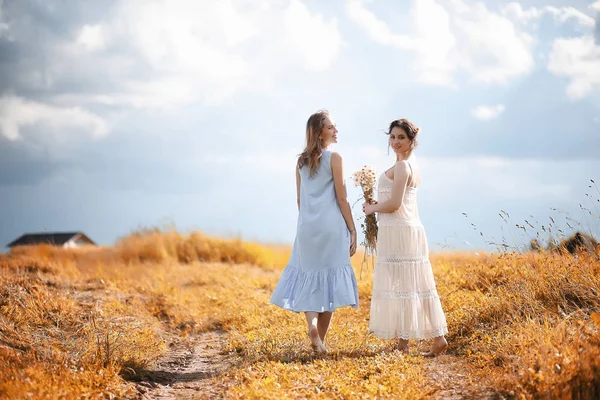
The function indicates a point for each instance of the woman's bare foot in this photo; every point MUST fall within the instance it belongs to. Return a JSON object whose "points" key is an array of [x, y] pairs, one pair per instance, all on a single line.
{"points": [[316, 342], [402, 345], [438, 347]]}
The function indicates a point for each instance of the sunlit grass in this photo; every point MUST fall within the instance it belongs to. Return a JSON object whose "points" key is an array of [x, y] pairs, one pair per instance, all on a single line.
{"points": [[77, 322]]}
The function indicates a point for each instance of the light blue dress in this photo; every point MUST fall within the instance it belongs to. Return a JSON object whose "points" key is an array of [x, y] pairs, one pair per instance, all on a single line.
{"points": [[318, 276]]}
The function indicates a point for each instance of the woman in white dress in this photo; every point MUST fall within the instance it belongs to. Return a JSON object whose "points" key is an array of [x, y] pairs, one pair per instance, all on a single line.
{"points": [[405, 303]]}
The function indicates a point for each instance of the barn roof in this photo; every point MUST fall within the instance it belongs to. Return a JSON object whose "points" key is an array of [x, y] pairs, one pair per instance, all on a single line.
{"points": [[56, 238]]}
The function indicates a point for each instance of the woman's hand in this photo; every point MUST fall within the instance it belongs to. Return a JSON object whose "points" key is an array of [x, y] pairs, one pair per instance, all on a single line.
{"points": [[368, 209], [352, 242]]}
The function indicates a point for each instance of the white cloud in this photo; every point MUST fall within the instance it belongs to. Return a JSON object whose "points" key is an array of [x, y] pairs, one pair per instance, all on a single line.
{"points": [[208, 51], [161, 54], [488, 112], [460, 38], [91, 37], [376, 29], [191, 48], [452, 37], [516, 11], [577, 59], [564, 14], [16, 112], [3, 24], [560, 14], [316, 40], [494, 50], [435, 44]]}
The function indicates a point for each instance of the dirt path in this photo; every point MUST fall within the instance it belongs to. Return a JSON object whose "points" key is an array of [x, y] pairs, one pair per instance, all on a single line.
{"points": [[186, 370], [450, 380]]}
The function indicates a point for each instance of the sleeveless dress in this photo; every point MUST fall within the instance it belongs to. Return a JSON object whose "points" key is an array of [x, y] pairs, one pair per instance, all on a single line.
{"points": [[319, 276], [405, 303]]}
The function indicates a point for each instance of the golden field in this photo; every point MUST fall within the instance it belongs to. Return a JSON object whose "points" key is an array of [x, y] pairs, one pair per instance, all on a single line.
{"points": [[83, 323]]}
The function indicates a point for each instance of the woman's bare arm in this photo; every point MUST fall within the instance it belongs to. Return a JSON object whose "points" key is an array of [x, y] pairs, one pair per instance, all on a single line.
{"points": [[298, 186], [341, 196], [340, 189]]}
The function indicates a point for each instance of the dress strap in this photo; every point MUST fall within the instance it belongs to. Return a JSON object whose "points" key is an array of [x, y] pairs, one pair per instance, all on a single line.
{"points": [[411, 180], [326, 158]]}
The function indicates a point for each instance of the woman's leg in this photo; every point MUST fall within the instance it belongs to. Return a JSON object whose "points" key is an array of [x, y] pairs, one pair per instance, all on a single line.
{"points": [[312, 319], [323, 323]]}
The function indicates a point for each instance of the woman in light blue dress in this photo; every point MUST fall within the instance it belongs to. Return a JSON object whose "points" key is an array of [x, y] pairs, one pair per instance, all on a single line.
{"points": [[319, 278]]}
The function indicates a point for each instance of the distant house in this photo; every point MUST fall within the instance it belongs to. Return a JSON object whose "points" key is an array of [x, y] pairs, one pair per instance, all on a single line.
{"points": [[63, 239]]}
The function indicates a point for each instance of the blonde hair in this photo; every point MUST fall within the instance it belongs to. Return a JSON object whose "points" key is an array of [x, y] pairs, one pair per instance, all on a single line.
{"points": [[314, 143]]}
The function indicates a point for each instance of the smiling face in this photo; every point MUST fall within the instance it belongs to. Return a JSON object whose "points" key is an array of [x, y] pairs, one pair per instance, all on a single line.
{"points": [[329, 132], [399, 141]]}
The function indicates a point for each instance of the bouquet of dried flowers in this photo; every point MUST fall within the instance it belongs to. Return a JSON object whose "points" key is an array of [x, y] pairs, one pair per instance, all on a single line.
{"points": [[366, 179]]}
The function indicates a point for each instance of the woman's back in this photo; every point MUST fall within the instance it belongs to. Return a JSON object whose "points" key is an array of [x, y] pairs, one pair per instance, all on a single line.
{"points": [[319, 189], [322, 236], [408, 213]]}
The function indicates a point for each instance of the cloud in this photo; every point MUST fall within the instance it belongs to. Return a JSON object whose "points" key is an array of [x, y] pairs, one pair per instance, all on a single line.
{"points": [[91, 37], [376, 29], [190, 50], [577, 59], [492, 49], [16, 113], [209, 51], [450, 38], [488, 112], [72, 68], [162, 54], [560, 14], [3, 24], [597, 28], [316, 40]]}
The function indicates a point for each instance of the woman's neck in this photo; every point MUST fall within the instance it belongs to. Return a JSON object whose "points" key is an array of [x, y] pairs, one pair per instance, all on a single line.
{"points": [[403, 157]]}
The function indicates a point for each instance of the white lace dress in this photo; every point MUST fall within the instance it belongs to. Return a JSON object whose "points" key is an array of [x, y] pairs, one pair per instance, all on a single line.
{"points": [[405, 302]]}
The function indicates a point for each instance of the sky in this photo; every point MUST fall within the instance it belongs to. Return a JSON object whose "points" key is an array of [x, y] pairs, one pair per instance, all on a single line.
{"points": [[123, 114]]}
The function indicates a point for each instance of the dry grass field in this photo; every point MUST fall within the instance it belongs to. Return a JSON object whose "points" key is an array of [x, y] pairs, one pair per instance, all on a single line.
{"points": [[92, 324]]}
